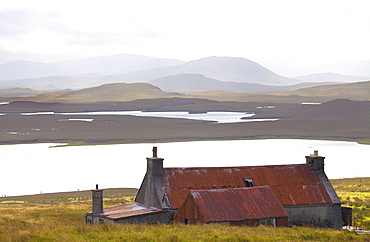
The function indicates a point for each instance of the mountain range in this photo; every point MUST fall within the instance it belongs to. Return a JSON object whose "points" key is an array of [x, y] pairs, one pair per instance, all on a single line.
{"points": [[119, 92], [224, 74]]}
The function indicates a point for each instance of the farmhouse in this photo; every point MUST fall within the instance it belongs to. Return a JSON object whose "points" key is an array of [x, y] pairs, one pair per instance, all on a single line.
{"points": [[277, 195]]}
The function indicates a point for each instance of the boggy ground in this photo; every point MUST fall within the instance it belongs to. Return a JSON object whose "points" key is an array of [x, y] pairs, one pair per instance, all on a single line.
{"points": [[334, 120]]}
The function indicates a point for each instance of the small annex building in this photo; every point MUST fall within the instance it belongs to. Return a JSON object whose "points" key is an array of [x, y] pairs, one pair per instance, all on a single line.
{"points": [[250, 206], [184, 195], [127, 213]]}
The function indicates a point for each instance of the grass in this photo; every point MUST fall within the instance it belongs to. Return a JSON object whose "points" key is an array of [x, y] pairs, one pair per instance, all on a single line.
{"points": [[355, 193], [56, 217]]}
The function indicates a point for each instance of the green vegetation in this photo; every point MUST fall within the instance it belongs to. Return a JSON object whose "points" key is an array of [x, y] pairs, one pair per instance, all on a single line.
{"points": [[355, 193], [58, 217]]}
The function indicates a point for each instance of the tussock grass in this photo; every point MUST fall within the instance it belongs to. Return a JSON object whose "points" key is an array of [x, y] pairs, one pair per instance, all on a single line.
{"points": [[57, 218], [64, 223]]}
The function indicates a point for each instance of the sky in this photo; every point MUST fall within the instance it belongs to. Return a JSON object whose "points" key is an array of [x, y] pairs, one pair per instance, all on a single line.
{"points": [[288, 37]]}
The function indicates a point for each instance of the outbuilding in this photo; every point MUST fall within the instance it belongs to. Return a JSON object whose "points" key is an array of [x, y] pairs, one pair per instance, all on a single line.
{"points": [[251, 206]]}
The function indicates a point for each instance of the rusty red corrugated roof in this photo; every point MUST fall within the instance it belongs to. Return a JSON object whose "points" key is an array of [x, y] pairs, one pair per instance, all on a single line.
{"points": [[128, 210], [292, 184], [237, 204]]}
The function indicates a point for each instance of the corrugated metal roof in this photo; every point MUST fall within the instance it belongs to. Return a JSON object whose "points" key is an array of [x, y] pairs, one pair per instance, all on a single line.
{"points": [[292, 184], [128, 210], [236, 204]]}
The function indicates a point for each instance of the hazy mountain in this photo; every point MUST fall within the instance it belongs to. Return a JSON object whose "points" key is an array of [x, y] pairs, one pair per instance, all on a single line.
{"points": [[198, 82], [236, 70], [26, 69], [331, 77], [6, 56], [228, 69], [103, 65], [106, 92], [116, 64], [48, 83]]}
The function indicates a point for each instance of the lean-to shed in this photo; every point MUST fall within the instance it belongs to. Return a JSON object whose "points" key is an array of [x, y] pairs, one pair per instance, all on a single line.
{"points": [[233, 206]]}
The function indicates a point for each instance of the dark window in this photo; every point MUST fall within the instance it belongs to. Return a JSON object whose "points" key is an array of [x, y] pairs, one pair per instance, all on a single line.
{"points": [[268, 222], [248, 182], [186, 221]]}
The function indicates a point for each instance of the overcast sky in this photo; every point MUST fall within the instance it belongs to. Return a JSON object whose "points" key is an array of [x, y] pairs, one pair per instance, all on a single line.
{"points": [[285, 36]]}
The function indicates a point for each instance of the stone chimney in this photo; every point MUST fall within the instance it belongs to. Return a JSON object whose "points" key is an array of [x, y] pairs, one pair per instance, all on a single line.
{"points": [[154, 164], [315, 162], [97, 200], [151, 191]]}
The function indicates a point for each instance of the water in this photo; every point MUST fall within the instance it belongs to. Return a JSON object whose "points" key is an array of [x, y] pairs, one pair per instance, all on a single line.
{"points": [[217, 117], [38, 168]]}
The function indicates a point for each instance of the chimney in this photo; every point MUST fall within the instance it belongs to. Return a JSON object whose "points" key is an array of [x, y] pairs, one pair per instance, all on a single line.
{"points": [[154, 164], [315, 162], [151, 192], [97, 200]]}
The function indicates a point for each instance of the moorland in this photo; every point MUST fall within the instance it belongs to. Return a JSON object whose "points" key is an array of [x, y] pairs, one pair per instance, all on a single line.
{"points": [[334, 120]]}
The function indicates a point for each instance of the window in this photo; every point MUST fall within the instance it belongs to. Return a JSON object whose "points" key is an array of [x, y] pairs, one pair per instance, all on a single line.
{"points": [[268, 222], [248, 182], [186, 221]]}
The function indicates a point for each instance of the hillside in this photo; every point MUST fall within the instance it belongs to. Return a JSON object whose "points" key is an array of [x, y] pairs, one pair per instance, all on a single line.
{"points": [[359, 91], [199, 83], [106, 92], [353, 91], [18, 92], [132, 91]]}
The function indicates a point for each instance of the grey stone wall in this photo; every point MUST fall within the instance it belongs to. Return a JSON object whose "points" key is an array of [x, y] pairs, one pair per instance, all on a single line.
{"points": [[325, 216]]}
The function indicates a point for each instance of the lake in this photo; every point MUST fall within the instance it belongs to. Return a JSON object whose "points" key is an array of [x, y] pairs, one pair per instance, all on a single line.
{"points": [[44, 168], [214, 117]]}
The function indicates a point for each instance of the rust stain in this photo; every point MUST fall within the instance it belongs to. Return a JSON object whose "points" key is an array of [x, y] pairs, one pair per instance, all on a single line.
{"points": [[292, 184], [237, 204]]}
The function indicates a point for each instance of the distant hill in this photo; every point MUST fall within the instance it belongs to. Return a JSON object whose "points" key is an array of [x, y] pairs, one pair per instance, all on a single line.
{"points": [[103, 65], [352, 91], [198, 83], [15, 70], [127, 92], [116, 64], [331, 77], [133, 68], [106, 92], [56, 83], [228, 69]]}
